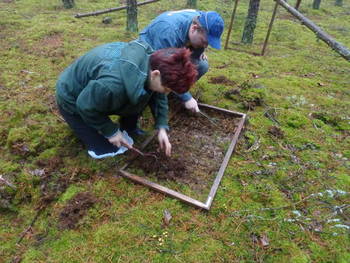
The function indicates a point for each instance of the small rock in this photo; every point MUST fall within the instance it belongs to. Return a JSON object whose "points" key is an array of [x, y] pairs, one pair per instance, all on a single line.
{"points": [[107, 20]]}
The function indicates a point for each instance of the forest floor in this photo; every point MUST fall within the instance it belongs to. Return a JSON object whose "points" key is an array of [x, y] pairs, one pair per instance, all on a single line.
{"points": [[285, 194]]}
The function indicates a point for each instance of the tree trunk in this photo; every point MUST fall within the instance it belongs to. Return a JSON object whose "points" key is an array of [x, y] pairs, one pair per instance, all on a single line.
{"points": [[250, 22], [316, 4], [131, 24], [68, 3], [297, 5], [339, 2], [192, 4]]}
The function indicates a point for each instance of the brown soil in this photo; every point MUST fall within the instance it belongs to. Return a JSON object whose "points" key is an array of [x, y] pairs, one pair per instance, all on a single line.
{"points": [[75, 210], [222, 80], [276, 132], [198, 149]]}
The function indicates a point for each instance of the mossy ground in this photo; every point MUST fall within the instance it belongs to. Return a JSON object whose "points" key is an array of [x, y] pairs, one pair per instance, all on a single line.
{"points": [[291, 190]]}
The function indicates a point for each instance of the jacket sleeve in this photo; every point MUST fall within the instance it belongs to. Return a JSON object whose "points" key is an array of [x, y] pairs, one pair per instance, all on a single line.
{"points": [[160, 35], [94, 104], [159, 107]]}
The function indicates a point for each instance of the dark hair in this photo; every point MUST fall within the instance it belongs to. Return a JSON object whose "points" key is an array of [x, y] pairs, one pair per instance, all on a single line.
{"points": [[177, 72]]}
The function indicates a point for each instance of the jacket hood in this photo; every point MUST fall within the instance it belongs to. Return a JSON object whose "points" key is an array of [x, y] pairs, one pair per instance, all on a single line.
{"points": [[135, 62]]}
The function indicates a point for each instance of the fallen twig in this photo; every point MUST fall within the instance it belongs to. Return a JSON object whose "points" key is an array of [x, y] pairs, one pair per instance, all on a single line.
{"points": [[29, 227], [2, 179]]}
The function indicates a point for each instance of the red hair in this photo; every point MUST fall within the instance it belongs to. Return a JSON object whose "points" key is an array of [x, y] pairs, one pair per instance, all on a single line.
{"points": [[177, 72]]}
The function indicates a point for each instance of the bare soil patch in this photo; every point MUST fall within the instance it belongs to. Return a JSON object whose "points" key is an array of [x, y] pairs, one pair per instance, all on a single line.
{"points": [[222, 80], [75, 209], [198, 149]]}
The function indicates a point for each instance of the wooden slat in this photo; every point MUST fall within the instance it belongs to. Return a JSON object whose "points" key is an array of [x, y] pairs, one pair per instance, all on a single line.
{"points": [[213, 190], [164, 190], [224, 164]]}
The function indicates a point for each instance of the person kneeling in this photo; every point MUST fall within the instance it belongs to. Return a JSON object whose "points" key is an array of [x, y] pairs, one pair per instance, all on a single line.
{"points": [[121, 79]]}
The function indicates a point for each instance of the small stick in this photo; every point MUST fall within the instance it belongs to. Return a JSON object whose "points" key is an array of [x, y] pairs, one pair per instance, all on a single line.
{"points": [[29, 227], [209, 119]]}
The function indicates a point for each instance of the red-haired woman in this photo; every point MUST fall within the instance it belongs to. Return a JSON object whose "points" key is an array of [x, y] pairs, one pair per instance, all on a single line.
{"points": [[121, 79]]}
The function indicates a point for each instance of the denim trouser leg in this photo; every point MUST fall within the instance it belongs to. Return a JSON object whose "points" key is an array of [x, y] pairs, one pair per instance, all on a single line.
{"points": [[202, 68], [89, 136]]}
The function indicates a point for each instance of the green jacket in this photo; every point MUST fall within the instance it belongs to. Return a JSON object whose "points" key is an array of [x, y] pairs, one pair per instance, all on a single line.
{"points": [[111, 79]]}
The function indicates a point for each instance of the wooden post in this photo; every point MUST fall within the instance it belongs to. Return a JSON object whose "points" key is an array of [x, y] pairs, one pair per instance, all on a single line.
{"points": [[231, 23], [68, 3], [316, 4], [335, 45], [250, 22], [192, 4], [131, 23], [96, 13], [339, 2], [270, 28], [297, 4]]}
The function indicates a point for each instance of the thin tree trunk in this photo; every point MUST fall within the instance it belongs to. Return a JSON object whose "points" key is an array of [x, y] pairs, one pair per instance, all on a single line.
{"points": [[250, 22], [231, 22], [131, 24], [192, 3], [297, 5], [339, 2], [270, 28], [316, 4], [68, 3]]}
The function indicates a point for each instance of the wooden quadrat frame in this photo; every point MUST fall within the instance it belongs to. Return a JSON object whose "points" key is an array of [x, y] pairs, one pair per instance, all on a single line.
{"points": [[187, 199]]}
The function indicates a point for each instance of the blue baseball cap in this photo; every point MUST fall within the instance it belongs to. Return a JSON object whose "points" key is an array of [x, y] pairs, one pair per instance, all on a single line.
{"points": [[213, 23]]}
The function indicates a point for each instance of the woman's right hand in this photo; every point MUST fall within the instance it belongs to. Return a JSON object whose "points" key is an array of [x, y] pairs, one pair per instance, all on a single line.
{"points": [[164, 141], [119, 140]]}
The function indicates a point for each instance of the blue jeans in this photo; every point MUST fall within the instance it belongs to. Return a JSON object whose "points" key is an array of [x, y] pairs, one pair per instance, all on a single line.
{"points": [[93, 140], [202, 68]]}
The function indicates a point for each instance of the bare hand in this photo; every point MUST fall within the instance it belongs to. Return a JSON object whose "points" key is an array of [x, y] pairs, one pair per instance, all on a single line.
{"points": [[192, 105], [119, 140], [164, 141]]}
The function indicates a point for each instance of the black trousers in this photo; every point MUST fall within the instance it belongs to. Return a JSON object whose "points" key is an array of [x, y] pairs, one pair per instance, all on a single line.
{"points": [[93, 140]]}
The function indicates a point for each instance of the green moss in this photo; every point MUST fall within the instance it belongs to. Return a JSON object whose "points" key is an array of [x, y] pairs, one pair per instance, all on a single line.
{"points": [[296, 120], [70, 192], [302, 80]]}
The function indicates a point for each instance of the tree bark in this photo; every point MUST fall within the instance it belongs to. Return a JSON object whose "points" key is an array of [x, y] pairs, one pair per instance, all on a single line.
{"points": [[250, 22], [131, 24], [339, 2], [297, 5], [316, 4], [192, 4], [68, 3]]}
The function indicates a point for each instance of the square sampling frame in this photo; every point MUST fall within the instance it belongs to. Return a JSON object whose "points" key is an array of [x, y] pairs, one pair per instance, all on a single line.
{"points": [[187, 199]]}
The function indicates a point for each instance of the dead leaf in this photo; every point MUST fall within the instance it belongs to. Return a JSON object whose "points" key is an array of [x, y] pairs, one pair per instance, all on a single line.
{"points": [[256, 76], [38, 172], [166, 217], [264, 241]]}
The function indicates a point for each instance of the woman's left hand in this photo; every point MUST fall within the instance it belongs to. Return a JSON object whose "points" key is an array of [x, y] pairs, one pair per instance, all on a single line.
{"points": [[164, 141]]}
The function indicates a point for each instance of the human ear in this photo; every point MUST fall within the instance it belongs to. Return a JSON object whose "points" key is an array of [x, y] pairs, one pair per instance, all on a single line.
{"points": [[155, 74]]}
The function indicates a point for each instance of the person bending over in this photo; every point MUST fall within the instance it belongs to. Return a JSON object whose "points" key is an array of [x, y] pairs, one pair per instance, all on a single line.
{"points": [[188, 28], [121, 79]]}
